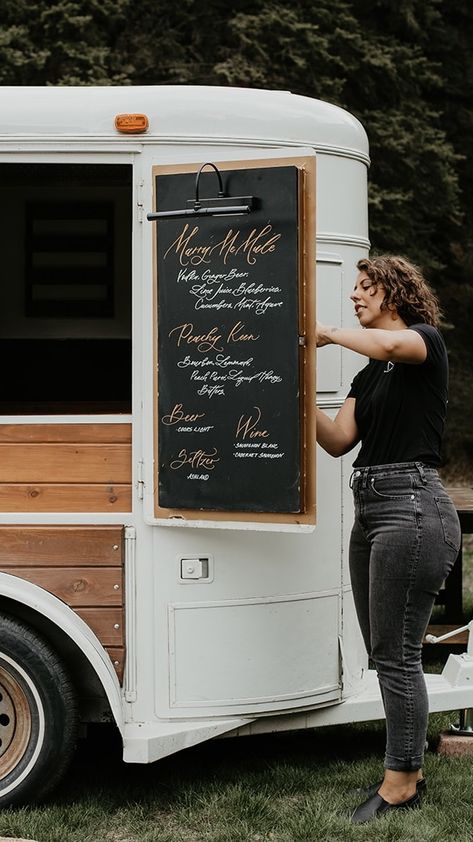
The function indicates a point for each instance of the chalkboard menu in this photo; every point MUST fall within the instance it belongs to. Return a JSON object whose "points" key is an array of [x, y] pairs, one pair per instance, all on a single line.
{"points": [[228, 346]]}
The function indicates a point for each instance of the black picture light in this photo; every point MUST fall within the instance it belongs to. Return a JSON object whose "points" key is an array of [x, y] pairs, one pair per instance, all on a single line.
{"points": [[215, 206]]}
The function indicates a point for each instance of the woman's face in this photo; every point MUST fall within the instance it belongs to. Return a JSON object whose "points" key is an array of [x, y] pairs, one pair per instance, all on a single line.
{"points": [[367, 298]]}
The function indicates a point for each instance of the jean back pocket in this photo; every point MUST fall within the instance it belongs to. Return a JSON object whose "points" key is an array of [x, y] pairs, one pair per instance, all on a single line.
{"points": [[450, 522]]}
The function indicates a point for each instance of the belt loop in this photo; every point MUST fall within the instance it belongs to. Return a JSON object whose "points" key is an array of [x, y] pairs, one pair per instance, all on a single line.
{"points": [[350, 481], [420, 468]]}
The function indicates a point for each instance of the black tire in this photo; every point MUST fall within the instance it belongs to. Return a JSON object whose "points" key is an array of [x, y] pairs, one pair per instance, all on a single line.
{"points": [[38, 715]]}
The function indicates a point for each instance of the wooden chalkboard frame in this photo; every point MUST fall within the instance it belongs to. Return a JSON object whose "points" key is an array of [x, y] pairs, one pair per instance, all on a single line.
{"points": [[306, 167]]}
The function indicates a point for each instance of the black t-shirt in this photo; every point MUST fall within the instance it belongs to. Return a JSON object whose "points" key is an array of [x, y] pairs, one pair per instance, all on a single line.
{"points": [[400, 408]]}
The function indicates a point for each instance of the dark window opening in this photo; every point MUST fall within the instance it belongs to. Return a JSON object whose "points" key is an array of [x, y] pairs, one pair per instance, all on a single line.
{"points": [[69, 251], [65, 314]]}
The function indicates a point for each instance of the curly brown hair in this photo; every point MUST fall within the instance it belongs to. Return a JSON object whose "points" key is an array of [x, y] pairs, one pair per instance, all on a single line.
{"points": [[405, 288]]}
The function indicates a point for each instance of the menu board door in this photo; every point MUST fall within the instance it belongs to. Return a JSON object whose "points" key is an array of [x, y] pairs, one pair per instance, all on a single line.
{"points": [[231, 340]]}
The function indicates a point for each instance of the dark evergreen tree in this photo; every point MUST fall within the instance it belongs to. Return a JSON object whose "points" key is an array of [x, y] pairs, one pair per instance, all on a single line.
{"points": [[451, 46], [405, 69], [368, 56], [63, 42]]}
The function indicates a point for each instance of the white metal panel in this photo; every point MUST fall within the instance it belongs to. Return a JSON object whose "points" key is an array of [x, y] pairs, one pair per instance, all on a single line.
{"points": [[342, 209], [181, 114], [329, 312], [145, 742], [249, 654]]}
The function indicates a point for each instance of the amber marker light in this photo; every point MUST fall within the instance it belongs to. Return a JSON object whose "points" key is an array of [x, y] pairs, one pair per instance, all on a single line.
{"points": [[131, 123]]}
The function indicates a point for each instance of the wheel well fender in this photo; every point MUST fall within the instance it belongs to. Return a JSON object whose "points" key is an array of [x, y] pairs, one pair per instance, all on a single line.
{"points": [[89, 664]]}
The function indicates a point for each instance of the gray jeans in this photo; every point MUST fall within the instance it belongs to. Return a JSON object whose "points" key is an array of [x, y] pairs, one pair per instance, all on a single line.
{"points": [[404, 542]]}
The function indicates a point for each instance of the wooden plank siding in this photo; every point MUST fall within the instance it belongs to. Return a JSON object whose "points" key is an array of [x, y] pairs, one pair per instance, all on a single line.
{"points": [[61, 497], [65, 468], [81, 565], [64, 463], [77, 586], [61, 546], [87, 433]]}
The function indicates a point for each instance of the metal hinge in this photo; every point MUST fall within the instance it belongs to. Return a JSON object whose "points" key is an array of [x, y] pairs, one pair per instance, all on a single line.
{"points": [[140, 483], [139, 201]]}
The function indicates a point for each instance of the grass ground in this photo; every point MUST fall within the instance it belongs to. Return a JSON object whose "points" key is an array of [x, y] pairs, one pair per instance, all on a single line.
{"points": [[276, 788], [258, 789]]}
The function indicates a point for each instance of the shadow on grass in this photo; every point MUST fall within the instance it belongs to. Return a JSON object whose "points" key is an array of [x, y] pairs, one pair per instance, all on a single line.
{"points": [[98, 765], [308, 757]]}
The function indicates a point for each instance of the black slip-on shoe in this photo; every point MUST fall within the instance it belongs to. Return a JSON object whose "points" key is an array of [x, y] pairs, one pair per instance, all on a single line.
{"points": [[368, 791], [376, 807]]}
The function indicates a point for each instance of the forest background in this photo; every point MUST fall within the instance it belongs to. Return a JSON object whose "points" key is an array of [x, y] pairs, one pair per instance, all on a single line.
{"points": [[404, 68]]}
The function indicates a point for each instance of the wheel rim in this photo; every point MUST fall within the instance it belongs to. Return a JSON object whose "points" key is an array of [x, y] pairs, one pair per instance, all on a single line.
{"points": [[15, 722]]}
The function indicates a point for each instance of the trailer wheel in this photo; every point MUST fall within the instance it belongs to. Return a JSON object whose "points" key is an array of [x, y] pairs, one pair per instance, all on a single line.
{"points": [[38, 715]]}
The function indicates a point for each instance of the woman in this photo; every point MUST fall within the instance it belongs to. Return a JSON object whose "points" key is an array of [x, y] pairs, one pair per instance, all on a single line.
{"points": [[406, 533]]}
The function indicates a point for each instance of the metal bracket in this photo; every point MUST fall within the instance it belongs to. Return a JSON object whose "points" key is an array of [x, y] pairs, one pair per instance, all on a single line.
{"points": [[431, 638], [215, 206], [140, 482]]}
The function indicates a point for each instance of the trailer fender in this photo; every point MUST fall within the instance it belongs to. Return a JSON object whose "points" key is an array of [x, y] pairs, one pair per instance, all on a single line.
{"points": [[58, 613]]}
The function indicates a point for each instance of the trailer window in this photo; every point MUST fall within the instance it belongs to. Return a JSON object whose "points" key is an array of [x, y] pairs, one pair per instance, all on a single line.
{"points": [[69, 253], [65, 315]]}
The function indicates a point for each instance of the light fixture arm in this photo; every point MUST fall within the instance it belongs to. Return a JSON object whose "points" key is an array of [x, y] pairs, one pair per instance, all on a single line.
{"points": [[214, 206]]}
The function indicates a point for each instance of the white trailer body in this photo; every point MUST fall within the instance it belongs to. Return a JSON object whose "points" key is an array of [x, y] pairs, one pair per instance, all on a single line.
{"points": [[226, 626]]}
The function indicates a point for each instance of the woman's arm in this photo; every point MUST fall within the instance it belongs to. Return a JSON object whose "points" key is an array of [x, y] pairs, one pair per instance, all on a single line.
{"points": [[398, 346], [340, 435]]}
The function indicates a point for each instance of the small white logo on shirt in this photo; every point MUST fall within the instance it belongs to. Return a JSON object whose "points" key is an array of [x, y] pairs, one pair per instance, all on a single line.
{"points": [[389, 367]]}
